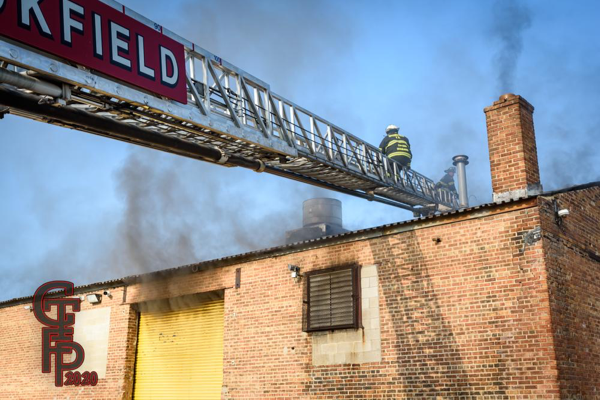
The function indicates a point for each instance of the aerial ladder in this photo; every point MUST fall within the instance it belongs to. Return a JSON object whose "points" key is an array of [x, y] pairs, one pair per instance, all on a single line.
{"points": [[227, 116]]}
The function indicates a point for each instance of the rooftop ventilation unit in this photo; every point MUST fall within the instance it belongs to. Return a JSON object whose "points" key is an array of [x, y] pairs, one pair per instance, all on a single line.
{"points": [[320, 217]]}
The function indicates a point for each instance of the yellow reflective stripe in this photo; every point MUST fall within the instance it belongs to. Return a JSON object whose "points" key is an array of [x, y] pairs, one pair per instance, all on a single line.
{"points": [[400, 153], [396, 135], [402, 142]]}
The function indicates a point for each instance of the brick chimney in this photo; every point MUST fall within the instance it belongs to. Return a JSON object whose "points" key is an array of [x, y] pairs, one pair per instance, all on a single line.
{"points": [[513, 152]]}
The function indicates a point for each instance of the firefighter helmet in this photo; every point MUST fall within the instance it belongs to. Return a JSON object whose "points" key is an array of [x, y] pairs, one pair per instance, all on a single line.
{"points": [[451, 169], [391, 128]]}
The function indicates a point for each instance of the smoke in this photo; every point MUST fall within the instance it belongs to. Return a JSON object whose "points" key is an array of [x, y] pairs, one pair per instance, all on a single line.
{"points": [[510, 20], [179, 211], [569, 162], [565, 175], [174, 211], [158, 218]]}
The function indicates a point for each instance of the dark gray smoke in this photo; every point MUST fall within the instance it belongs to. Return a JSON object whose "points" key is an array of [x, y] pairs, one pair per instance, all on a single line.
{"points": [[567, 162], [175, 211], [511, 19], [179, 211], [158, 220]]}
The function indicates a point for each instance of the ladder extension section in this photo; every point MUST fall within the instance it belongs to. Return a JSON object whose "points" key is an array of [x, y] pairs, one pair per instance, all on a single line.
{"points": [[228, 110]]}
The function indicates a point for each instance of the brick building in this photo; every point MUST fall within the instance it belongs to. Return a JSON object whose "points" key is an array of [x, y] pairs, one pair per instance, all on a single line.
{"points": [[498, 301]]}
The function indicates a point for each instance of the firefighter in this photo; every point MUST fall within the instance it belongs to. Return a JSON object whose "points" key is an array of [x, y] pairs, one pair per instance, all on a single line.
{"points": [[447, 182], [396, 146]]}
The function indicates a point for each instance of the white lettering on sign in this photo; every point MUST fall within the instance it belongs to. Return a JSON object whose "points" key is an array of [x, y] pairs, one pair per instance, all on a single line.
{"points": [[142, 68], [68, 24], [119, 42], [97, 36], [28, 9], [97, 33], [166, 56]]}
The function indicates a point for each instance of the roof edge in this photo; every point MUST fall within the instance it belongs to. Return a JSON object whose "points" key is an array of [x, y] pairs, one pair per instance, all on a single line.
{"points": [[325, 241], [77, 290], [347, 237], [571, 188]]}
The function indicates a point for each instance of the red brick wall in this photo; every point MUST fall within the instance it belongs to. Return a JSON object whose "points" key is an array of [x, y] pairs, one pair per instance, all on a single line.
{"points": [[21, 355], [574, 284], [468, 316], [511, 142]]}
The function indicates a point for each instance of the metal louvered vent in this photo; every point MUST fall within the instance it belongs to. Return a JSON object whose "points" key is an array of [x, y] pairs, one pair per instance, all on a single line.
{"points": [[333, 299]]}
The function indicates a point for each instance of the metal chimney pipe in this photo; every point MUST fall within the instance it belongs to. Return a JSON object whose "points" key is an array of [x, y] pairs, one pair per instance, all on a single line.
{"points": [[461, 161]]}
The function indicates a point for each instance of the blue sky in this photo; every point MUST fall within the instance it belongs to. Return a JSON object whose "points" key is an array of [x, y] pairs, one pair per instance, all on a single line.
{"points": [[79, 207]]}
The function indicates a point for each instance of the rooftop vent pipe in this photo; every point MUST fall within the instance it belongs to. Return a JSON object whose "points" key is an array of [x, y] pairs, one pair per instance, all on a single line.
{"points": [[461, 161]]}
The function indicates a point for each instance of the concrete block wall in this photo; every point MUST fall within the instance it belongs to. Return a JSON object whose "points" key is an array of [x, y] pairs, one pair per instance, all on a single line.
{"points": [[354, 346], [91, 331]]}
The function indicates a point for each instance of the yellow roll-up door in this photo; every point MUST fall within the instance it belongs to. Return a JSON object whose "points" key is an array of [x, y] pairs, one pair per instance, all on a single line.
{"points": [[180, 354]]}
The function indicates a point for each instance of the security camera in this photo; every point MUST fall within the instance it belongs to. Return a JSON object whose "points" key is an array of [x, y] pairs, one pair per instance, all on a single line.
{"points": [[107, 293], [564, 213]]}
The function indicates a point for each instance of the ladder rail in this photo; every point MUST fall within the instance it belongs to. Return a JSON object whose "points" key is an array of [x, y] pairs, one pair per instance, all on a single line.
{"points": [[239, 114]]}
